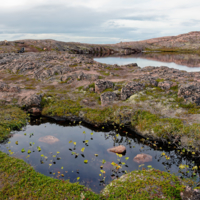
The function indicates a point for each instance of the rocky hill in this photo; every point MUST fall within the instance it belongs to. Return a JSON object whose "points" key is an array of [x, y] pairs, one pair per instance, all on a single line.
{"points": [[185, 42], [189, 42]]}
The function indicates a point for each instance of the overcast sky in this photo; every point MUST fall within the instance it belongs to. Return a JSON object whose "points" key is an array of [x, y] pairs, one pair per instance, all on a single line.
{"points": [[97, 21]]}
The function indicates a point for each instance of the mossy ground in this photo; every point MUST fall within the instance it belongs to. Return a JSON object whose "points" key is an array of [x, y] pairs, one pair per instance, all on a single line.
{"points": [[11, 118], [18, 180], [145, 184]]}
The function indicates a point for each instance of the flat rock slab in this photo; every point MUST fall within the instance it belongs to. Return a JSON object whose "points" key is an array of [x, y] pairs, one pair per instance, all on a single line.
{"points": [[142, 158], [118, 149], [49, 139]]}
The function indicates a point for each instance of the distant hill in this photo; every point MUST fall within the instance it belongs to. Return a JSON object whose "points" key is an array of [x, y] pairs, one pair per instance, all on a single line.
{"points": [[189, 42], [184, 42]]}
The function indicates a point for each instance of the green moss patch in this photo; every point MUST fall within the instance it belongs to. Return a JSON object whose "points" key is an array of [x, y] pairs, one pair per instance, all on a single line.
{"points": [[11, 118], [145, 184], [18, 180]]}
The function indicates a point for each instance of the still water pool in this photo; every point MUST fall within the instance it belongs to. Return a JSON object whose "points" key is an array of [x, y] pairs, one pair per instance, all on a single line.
{"points": [[184, 62], [65, 156]]}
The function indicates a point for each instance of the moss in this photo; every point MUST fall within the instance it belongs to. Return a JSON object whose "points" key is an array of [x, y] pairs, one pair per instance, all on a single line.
{"points": [[104, 73], [108, 90], [145, 184], [10, 118], [92, 85], [21, 181], [159, 80], [62, 108], [174, 88], [74, 65], [66, 81], [80, 88], [30, 87], [38, 48], [14, 77], [117, 68], [49, 87]]}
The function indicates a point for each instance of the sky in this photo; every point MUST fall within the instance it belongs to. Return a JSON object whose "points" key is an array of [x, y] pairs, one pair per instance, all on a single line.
{"points": [[97, 21]]}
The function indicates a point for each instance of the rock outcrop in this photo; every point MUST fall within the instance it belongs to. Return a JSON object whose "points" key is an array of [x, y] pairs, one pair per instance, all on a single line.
{"points": [[167, 85], [7, 88], [30, 101], [101, 85], [108, 97], [190, 93], [130, 89]]}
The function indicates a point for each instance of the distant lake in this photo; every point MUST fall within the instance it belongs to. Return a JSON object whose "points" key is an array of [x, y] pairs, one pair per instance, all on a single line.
{"points": [[187, 62]]}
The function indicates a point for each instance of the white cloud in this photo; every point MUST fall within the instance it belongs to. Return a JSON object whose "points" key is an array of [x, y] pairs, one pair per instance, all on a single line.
{"points": [[59, 37], [99, 20]]}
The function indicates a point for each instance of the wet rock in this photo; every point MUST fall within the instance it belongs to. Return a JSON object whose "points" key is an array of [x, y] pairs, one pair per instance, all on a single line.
{"points": [[130, 89], [107, 98], [119, 149], [142, 158], [166, 85], [35, 110], [101, 85], [49, 139]]}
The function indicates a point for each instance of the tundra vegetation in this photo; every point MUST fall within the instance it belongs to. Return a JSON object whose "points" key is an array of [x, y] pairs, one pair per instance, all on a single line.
{"points": [[158, 103]]}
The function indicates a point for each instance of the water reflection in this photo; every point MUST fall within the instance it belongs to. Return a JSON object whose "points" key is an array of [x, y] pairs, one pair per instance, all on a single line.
{"points": [[187, 62], [80, 152]]}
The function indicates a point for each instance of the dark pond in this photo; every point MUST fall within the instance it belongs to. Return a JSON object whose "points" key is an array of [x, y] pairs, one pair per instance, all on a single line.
{"points": [[187, 62], [64, 160]]}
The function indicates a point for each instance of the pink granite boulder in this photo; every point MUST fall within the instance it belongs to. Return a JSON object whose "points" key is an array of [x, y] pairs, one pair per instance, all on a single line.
{"points": [[142, 158], [119, 149]]}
